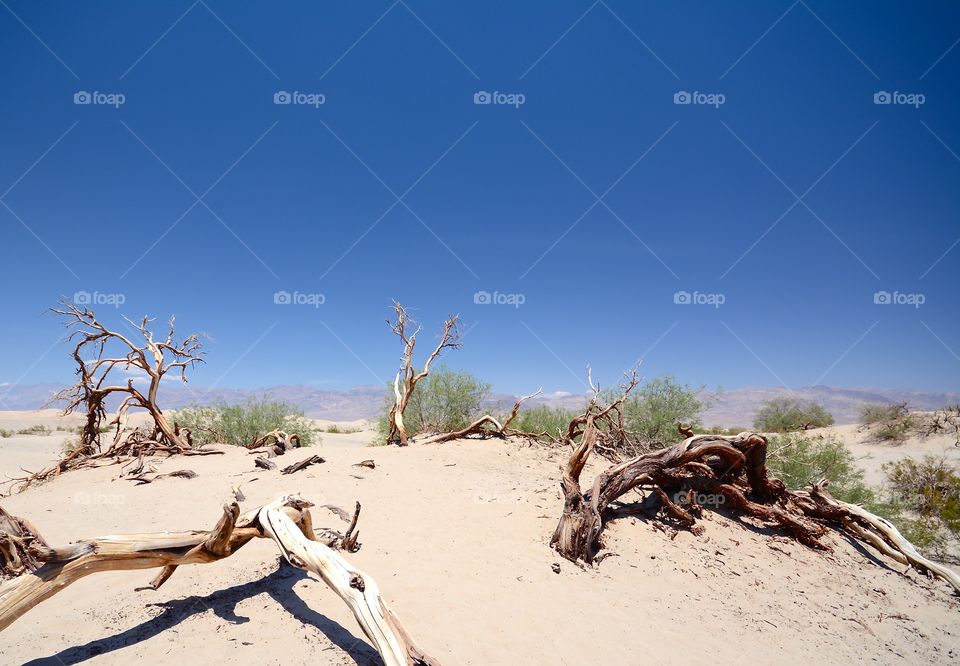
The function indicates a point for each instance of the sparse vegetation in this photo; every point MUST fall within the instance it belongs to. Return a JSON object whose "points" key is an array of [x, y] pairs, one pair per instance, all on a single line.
{"points": [[445, 400], [887, 423], [544, 418], [800, 459], [651, 413], [336, 429], [789, 415], [720, 430], [35, 430], [240, 424], [930, 491]]}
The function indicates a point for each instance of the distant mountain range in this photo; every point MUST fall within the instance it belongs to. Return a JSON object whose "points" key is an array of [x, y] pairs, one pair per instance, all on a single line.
{"points": [[729, 408]]}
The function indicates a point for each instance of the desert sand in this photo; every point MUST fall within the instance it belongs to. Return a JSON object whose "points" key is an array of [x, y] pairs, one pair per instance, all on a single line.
{"points": [[457, 537]]}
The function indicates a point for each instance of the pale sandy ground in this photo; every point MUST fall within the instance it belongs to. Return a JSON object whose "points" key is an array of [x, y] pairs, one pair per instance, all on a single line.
{"points": [[457, 537]]}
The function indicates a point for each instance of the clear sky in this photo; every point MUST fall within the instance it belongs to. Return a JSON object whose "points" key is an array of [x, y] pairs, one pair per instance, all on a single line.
{"points": [[775, 164]]}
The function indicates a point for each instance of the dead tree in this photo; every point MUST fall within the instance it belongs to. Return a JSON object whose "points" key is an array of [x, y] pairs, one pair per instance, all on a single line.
{"points": [[406, 379], [100, 351], [730, 470], [37, 571], [101, 355]]}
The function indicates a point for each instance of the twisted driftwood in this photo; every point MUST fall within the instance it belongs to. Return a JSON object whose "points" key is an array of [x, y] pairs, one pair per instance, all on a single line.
{"points": [[41, 570]]}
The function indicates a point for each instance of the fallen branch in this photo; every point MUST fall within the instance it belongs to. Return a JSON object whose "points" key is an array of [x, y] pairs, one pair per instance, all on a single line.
{"points": [[303, 464], [143, 479], [488, 426], [287, 521]]}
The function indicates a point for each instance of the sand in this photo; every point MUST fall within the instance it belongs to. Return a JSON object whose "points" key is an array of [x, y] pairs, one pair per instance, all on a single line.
{"points": [[457, 537]]}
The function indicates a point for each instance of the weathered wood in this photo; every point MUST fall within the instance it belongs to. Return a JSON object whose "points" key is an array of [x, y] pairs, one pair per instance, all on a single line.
{"points": [[263, 463], [357, 589], [303, 464], [287, 521]]}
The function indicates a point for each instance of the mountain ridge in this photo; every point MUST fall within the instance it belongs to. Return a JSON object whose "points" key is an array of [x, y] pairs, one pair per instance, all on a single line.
{"points": [[727, 408]]}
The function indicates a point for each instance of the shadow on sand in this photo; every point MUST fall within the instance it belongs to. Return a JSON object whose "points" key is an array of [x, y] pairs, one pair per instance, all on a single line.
{"points": [[279, 585]]}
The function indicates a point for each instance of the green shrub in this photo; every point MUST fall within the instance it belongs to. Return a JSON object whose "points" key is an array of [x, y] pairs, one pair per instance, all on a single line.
{"points": [[443, 401], [789, 414], [930, 491], [6, 433], [543, 418], [888, 423], [654, 409], [800, 459], [240, 424]]}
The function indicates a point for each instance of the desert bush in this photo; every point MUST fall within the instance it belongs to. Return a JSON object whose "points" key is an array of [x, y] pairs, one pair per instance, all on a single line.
{"points": [[720, 430], [888, 423], [654, 409], [543, 418], [790, 414], [240, 424], [35, 430], [6, 433], [930, 491], [800, 459], [444, 401], [944, 421], [336, 429]]}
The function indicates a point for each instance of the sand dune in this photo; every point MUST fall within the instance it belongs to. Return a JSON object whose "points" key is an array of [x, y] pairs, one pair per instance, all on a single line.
{"points": [[457, 536]]}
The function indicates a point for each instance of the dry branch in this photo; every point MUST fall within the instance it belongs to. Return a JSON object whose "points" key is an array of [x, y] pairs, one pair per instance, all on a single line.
{"points": [[287, 521], [303, 464]]}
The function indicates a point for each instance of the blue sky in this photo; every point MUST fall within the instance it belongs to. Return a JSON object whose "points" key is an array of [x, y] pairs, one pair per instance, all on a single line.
{"points": [[583, 198]]}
